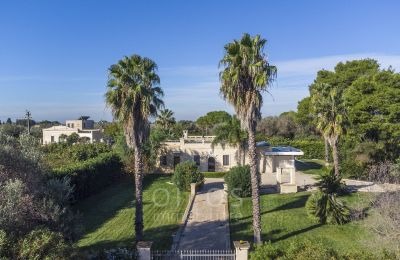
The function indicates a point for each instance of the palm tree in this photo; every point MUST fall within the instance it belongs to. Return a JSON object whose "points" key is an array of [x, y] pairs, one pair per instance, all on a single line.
{"points": [[166, 119], [330, 117], [231, 133], [324, 204], [245, 75], [134, 95]]}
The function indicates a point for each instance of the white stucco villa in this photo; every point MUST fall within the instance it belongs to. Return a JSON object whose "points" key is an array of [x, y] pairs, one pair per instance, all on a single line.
{"points": [[82, 126], [220, 158]]}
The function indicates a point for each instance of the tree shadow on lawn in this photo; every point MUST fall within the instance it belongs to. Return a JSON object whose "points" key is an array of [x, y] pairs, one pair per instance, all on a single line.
{"points": [[308, 165], [244, 223], [299, 202], [160, 236], [105, 205]]}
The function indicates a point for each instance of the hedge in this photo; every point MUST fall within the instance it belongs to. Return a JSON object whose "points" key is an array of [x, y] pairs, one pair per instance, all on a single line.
{"points": [[214, 174], [313, 148], [90, 176]]}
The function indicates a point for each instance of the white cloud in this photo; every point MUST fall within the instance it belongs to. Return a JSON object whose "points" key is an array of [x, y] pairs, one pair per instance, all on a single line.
{"points": [[190, 91], [190, 100]]}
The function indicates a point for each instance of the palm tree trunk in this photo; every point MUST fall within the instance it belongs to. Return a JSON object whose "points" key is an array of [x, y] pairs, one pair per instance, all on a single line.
{"points": [[244, 155], [326, 150], [335, 154], [138, 194], [254, 187], [239, 159]]}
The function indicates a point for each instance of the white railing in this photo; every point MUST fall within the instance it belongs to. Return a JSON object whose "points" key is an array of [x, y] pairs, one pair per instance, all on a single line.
{"points": [[193, 255]]}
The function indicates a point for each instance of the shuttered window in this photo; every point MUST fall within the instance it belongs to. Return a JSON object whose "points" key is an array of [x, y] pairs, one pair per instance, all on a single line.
{"points": [[225, 159]]}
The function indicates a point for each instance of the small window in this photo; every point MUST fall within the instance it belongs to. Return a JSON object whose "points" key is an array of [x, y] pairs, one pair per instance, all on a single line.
{"points": [[52, 139], [225, 159], [72, 125], [163, 160], [196, 159]]}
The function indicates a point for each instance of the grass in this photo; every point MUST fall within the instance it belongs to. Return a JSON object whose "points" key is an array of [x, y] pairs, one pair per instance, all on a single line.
{"points": [[108, 217], [313, 166], [214, 174], [284, 220]]}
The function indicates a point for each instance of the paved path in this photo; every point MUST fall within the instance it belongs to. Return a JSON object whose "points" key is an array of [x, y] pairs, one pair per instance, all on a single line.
{"points": [[208, 226], [308, 182]]}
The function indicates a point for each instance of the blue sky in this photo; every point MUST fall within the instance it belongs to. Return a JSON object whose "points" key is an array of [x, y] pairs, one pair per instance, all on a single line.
{"points": [[54, 55]]}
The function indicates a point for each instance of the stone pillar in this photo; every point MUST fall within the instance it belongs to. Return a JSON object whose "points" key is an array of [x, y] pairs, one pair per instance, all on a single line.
{"points": [[192, 189], [144, 250], [279, 175], [225, 187], [241, 250], [292, 176]]}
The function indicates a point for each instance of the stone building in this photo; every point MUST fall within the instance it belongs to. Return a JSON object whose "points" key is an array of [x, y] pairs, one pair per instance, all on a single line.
{"points": [[220, 158], [82, 126]]}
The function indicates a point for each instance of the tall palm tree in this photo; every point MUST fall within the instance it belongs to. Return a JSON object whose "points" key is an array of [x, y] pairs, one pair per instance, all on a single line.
{"points": [[231, 133], [134, 95], [330, 117], [245, 75], [166, 119]]}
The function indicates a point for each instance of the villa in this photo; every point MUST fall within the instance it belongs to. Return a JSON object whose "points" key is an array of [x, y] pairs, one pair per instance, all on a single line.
{"points": [[82, 126], [220, 158]]}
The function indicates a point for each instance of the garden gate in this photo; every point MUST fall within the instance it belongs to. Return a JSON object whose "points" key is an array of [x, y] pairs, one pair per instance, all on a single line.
{"points": [[194, 255]]}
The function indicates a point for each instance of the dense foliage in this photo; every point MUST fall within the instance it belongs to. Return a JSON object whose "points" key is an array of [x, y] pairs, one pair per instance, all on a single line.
{"points": [[207, 122], [91, 175], [369, 96], [304, 250], [238, 181], [61, 154], [29, 202], [44, 244], [186, 173]]}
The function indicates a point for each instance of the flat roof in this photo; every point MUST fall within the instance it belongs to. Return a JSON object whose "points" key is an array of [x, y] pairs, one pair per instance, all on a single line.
{"points": [[282, 150]]}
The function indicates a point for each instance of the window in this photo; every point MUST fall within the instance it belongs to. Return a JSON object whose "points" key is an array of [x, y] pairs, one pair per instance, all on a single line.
{"points": [[225, 159], [68, 125], [196, 159], [163, 160], [177, 160], [72, 125], [52, 139]]}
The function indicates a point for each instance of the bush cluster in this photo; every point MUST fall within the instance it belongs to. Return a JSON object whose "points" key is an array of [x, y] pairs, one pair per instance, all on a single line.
{"points": [[59, 154], [304, 250], [92, 175], [36, 221], [239, 181], [186, 173]]}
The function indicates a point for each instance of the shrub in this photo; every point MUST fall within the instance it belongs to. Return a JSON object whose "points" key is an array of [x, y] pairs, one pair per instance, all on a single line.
{"points": [[4, 244], [266, 251], [44, 244], [239, 181], [92, 175], [72, 138], [305, 250], [187, 173]]}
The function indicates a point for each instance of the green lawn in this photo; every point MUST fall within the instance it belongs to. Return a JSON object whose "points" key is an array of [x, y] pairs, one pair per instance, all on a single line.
{"points": [[108, 217], [310, 166], [284, 219]]}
